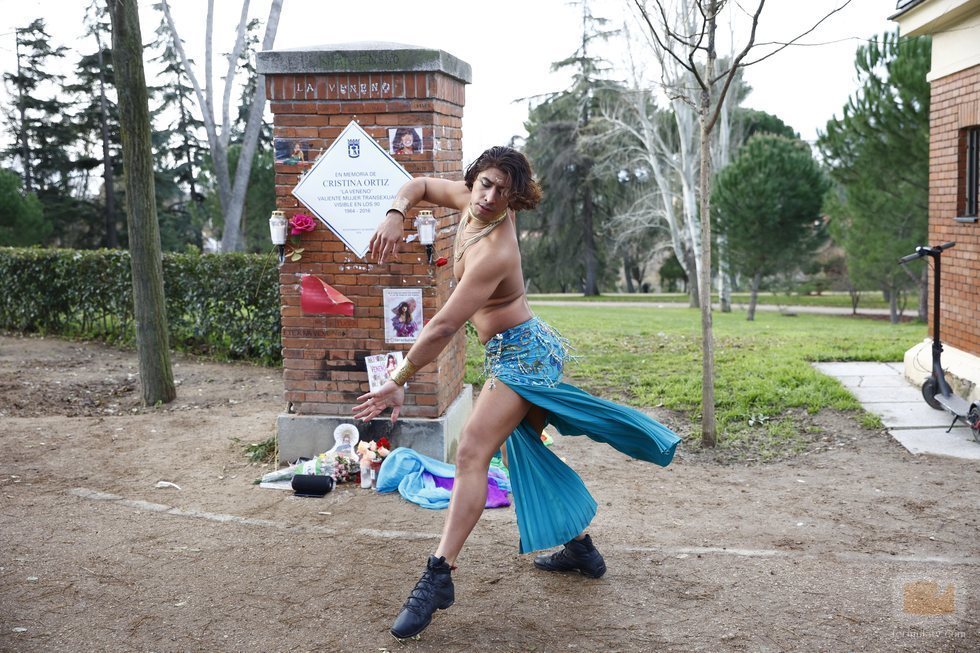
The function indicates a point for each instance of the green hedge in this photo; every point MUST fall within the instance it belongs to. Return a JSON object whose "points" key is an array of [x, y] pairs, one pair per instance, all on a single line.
{"points": [[222, 305]]}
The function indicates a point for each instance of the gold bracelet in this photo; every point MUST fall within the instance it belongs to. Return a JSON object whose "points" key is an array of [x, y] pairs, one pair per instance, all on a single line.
{"points": [[404, 371], [400, 204]]}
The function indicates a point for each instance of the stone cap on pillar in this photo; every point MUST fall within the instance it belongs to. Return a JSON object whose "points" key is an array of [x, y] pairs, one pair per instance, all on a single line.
{"points": [[362, 57]]}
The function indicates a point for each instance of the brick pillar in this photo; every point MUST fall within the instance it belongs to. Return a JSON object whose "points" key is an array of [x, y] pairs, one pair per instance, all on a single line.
{"points": [[314, 94]]}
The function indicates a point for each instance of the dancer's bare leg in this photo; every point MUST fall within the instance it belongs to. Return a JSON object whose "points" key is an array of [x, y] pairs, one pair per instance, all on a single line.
{"points": [[497, 413]]}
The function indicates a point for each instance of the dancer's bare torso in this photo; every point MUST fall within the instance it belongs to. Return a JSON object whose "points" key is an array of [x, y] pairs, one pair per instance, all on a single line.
{"points": [[507, 305]]}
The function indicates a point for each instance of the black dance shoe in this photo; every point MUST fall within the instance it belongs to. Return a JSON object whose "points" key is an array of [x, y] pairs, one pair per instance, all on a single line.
{"points": [[434, 591], [578, 555]]}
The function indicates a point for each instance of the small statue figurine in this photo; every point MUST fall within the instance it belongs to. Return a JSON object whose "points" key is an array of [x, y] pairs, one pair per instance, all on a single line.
{"points": [[345, 438]]}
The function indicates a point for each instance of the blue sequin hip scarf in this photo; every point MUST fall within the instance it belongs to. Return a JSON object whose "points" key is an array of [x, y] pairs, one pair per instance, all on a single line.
{"points": [[532, 352]]}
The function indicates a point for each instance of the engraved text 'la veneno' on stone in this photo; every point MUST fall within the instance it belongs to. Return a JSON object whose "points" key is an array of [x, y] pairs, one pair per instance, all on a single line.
{"points": [[348, 89]]}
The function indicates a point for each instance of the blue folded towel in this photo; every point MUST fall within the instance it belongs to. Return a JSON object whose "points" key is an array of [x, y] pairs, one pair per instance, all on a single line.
{"points": [[412, 474]]}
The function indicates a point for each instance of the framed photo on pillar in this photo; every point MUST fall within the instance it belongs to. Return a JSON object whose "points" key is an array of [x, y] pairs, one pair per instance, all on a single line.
{"points": [[405, 140], [402, 314], [291, 150]]}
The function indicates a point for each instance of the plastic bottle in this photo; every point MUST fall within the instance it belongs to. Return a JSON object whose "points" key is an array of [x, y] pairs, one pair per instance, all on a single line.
{"points": [[366, 473]]}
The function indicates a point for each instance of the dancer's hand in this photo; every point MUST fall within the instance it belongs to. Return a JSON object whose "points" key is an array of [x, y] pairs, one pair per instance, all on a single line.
{"points": [[374, 403], [384, 242]]}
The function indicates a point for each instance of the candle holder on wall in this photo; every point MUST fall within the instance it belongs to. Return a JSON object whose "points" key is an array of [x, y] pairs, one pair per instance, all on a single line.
{"points": [[278, 226], [426, 225]]}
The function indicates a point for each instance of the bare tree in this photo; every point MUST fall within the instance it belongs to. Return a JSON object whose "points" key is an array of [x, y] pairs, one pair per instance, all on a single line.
{"points": [[152, 338], [231, 193], [689, 43], [662, 144]]}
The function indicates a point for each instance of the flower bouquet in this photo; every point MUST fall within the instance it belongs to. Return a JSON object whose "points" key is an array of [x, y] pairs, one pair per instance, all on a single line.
{"points": [[345, 469], [372, 455]]}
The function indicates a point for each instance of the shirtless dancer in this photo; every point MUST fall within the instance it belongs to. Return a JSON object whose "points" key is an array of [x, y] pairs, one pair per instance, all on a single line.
{"points": [[490, 294]]}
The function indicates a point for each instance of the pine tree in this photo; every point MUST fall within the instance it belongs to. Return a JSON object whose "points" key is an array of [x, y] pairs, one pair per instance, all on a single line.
{"points": [[766, 203], [878, 152], [179, 149], [566, 248], [96, 121], [37, 115], [21, 214]]}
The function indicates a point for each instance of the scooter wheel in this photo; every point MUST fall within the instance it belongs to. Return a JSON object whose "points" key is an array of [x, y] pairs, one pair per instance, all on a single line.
{"points": [[973, 417], [929, 390]]}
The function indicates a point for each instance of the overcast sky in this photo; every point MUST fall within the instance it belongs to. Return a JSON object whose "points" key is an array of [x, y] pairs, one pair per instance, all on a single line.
{"points": [[511, 44]]}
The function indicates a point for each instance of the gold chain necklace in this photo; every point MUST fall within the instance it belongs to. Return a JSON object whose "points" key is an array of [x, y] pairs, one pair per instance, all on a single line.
{"points": [[463, 242]]}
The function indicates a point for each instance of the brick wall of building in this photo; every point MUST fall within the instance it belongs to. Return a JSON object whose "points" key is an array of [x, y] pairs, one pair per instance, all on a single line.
{"points": [[323, 355], [955, 105]]}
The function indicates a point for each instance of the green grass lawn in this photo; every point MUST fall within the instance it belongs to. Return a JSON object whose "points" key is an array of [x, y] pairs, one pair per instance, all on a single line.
{"points": [[868, 299], [764, 383]]}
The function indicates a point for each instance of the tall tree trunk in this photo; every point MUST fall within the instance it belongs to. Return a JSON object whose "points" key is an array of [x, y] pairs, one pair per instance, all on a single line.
{"points": [[591, 288], [152, 341], [628, 273], [724, 278], [754, 296], [693, 292], [708, 425], [721, 157], [108, 179]]}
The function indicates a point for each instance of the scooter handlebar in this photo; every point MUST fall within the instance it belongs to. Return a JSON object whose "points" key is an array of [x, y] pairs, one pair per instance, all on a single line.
{"points": [[921, 251]]}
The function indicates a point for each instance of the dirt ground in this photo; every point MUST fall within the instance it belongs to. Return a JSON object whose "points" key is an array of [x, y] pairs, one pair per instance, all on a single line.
{"points": [[841, 549]]}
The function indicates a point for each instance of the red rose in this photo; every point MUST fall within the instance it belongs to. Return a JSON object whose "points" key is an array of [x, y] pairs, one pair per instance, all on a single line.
{"points": [[383, 442], [300, 223], [441, 261]]}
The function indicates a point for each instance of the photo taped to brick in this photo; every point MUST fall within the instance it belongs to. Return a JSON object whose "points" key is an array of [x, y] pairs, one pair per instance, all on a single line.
{"points": [[380, 367], [402, 314]]}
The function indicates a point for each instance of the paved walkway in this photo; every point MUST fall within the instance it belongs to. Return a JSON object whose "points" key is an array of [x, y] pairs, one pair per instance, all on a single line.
{"points": [[883, 390]]}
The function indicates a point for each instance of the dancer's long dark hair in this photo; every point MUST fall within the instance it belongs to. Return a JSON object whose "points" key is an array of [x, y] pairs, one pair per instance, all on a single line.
{"points": [[525, 193]]}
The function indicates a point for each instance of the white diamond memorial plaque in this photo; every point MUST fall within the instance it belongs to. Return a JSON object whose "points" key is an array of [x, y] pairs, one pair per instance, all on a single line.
{"points": [[351, 186]]}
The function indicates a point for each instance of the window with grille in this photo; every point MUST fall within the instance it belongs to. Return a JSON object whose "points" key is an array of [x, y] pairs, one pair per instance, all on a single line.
{"points": [[970, 174]]}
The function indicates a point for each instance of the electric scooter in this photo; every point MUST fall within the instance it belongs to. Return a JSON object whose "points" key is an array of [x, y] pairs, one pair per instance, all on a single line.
{"points": [[935, 389]]}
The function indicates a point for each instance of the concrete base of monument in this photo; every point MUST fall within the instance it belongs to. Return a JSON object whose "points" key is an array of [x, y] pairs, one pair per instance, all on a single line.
{"points": [[304, 436]]}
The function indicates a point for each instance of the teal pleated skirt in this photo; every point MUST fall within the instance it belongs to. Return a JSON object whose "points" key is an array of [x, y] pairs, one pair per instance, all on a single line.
{"points": [[552, 503]]}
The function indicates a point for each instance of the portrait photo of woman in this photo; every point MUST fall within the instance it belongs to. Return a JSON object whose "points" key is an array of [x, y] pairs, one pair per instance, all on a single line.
{"points": [[403, 322], [405, 140], [403, 308]]}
